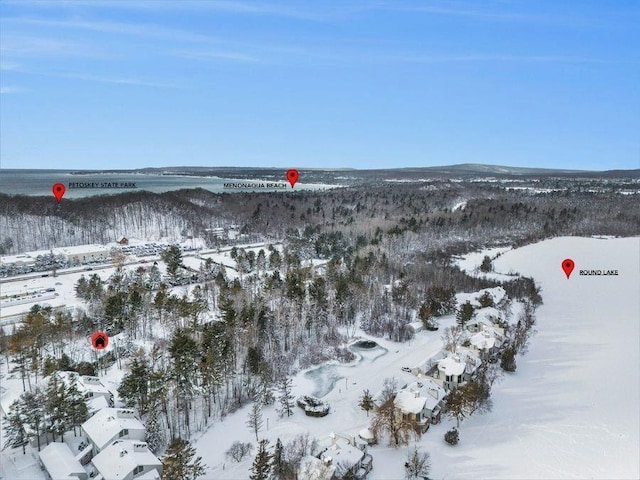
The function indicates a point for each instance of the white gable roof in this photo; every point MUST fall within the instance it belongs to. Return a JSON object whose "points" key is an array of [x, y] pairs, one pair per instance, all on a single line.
{"points": [[452, 365], [341, 451], [60, 462], [483, 340], [422, 394], [107, 423], [409, 401], [120, 458]]}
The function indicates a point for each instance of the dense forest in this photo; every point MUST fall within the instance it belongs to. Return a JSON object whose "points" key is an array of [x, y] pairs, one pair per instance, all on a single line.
{"points": [[421, 215]]}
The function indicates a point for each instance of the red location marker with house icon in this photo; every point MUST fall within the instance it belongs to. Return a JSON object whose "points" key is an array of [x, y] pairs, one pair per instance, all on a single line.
{"points": [[99, 340]]}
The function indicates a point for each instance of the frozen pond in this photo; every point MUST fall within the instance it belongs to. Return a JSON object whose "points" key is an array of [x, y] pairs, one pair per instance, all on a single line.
{"points": [[326, 376]]}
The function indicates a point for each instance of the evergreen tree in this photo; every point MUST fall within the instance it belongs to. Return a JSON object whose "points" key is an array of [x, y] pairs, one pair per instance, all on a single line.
{"points": [[172, 256], [134, 388], [181, 463], [32, 405], [261, 468], [366, 402], [82, 288], [441, 301], [95, 288], [57, 407], [465, 314], [78, 411], [286, 397], [452, 436], [278, 462], [155, 435], [15, 432], [185, 355], [486, 264], [254, 420], [486, 300], [275, 260]]}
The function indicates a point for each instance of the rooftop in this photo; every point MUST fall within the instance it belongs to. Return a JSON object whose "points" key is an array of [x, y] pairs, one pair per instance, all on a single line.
{"points": [[80, 249], [424, 393], [107, 423], [451, 365], [120, 458], [341, 451], [60, 462]]}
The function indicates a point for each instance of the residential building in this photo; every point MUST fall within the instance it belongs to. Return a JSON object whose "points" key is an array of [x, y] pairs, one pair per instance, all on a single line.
{"points": [[345, 454], [60, 463], [110, 424], [127, 460], [457, 368], [421, 401]]}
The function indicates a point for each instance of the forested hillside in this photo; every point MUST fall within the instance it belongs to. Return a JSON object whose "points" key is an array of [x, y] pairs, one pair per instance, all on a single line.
{"points": [[429, 215]]}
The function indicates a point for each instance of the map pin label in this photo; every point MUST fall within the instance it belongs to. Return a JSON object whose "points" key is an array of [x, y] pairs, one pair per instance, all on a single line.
{"points": [[568, 265]]}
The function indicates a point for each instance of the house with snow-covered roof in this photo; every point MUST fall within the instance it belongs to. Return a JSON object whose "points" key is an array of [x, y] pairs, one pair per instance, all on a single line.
{"points": [[457, 368], [487, 341], [60, 463], [421, 402], [344, 454], [127, 460], [312, 468], [110, 424]]}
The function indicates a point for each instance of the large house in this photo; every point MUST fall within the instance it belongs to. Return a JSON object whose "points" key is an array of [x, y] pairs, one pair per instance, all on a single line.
{"points": [[111, 424], [344, 453], [457, 368], [60, 463], [127, 460], [421, 401]]}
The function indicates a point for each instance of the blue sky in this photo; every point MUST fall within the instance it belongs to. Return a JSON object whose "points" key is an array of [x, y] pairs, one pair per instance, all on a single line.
{"points": [[360, 84]]}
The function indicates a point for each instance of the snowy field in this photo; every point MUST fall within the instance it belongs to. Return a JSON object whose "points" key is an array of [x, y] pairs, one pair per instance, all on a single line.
{"points": [[570, 410]]}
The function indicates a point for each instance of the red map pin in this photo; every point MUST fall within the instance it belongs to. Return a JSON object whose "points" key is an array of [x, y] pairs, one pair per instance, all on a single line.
{"points": [[292, 176], [568, 265], [99, 340], [58, 190]]}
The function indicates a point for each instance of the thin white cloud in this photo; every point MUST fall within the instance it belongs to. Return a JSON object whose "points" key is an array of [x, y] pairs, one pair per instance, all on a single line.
{"points": [[120, 28], [107, 79], [118, 80], [492, 58], [10, 90], [299, 10], [215, 55]]}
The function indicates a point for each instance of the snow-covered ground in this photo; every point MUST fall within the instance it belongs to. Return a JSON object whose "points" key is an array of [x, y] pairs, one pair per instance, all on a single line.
{"points": [[570, 410]]}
